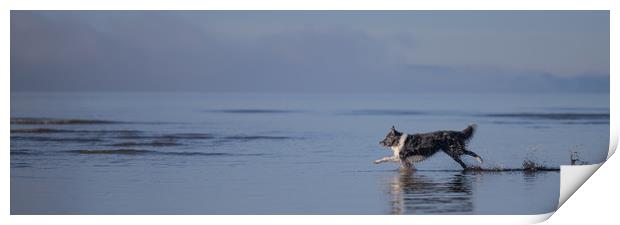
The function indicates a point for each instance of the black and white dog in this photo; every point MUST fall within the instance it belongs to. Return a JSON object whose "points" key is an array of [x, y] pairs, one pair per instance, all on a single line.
{"points": [[411, 148]]}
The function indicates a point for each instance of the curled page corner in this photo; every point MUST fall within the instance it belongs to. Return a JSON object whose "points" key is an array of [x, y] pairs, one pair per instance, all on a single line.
{"points": [[613, 137], [540, 218], [572, 177]]}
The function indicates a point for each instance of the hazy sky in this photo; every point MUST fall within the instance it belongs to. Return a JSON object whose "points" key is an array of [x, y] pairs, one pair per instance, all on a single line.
{"points": [[310, 51]]}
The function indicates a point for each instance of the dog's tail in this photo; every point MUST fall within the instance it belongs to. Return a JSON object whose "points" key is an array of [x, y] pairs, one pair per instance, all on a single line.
{"points": [[469, 131]]}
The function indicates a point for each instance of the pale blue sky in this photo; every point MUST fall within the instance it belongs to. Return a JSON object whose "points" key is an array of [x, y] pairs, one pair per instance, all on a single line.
{"points": [[309, 51]]}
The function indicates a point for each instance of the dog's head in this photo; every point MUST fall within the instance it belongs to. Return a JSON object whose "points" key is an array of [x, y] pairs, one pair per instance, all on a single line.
{"points": [[392, 138]]}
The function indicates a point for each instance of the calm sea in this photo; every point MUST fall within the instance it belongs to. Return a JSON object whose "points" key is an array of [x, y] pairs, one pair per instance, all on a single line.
{"points": [[248, 153]]}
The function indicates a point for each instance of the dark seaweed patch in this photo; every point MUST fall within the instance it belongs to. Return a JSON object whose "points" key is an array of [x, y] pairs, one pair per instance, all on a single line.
{"points": [[553, 116], [206, 154], [588, 122], [387, 112], [134, 136], [197, 153], [166, 136], [188, 136], [527, 166], [530, 169], [20, 165], [22, 152], [150, 152], [539, 127], [605, 109], [122, 132], [255, 137], [50, 130], [37, 130], [254, 111], [39, 121], [513, 122], [112, 151], [155, 143], [55, 139]]}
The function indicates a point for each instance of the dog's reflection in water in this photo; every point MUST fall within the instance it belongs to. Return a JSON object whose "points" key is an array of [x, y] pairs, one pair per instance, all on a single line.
{"points": [[431, 193]]}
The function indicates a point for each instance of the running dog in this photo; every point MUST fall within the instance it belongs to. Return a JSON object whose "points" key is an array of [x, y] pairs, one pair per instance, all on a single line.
{"points": [[411, 148]]}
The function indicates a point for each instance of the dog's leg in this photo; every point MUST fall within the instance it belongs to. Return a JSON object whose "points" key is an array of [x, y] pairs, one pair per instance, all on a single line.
{"points": [[455, 152], [406, 165], [386, 159], [458, 160], [473, 154]]}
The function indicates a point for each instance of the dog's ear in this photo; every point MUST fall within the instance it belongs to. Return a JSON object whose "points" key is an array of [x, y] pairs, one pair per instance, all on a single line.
{"points": [[393, 128]]}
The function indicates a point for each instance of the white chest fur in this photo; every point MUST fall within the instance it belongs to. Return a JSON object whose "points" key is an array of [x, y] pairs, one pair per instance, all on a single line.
{"points": [[400, 146]]}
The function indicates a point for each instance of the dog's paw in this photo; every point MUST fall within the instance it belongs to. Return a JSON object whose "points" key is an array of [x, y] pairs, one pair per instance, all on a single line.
{"points": [[376, 161], [479, 159]]}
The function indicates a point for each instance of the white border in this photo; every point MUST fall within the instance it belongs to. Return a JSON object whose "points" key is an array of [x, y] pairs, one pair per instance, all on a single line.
{"points": [[317, 4], [613, 82]]}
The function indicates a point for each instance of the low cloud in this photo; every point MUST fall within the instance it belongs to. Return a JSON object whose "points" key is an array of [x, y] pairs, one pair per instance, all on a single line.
{"points": [[115, 51]]}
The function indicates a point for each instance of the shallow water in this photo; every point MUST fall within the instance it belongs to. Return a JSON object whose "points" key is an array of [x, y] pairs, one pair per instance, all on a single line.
{"points": [[196, 153]]}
